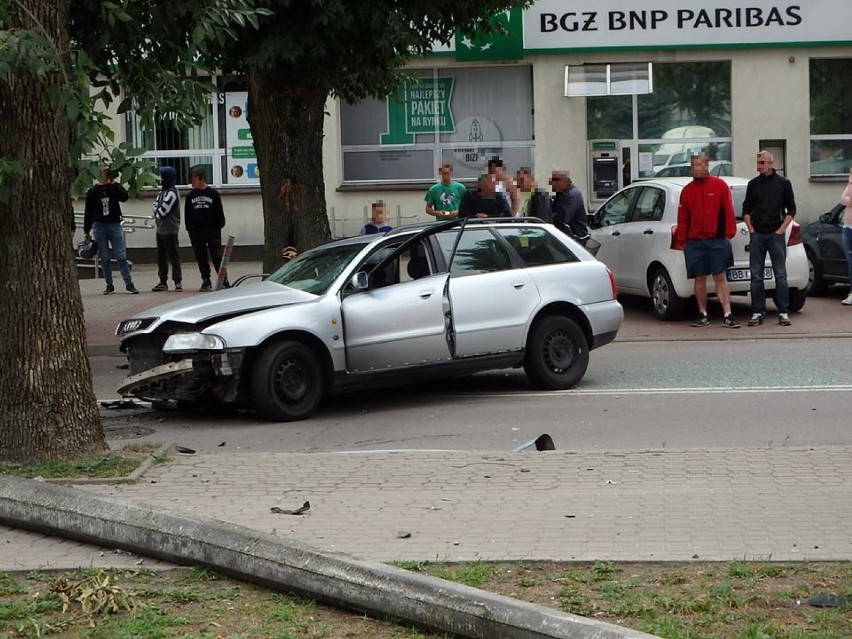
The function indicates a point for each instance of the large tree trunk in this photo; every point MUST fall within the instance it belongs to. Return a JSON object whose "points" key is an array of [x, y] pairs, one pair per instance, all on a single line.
{"points": [[47, 407], [286, 124]]}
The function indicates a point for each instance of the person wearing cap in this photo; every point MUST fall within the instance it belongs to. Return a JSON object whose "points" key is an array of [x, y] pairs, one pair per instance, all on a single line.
{"points": [[102, 218], [167, 220]]}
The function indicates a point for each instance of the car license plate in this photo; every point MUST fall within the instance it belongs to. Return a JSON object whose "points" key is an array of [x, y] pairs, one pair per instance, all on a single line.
{"points": [[744, 274]]}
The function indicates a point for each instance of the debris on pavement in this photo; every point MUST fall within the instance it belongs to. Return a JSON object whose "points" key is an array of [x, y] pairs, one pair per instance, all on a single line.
{"points": [[298, 511]]}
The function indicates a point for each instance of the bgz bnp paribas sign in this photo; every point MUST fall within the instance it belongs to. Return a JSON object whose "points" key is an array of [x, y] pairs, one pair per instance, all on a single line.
{"points": [[607, 24]]}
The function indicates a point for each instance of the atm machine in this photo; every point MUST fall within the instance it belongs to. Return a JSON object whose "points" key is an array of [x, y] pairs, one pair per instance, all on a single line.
{"points": [[605, 170]]}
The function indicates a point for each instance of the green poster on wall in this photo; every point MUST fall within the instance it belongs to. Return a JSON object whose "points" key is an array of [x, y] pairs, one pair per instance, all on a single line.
{"points": [[421, 106]]}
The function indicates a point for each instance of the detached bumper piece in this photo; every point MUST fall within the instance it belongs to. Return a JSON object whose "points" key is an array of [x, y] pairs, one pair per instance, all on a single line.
{"points": [[152, 376]]}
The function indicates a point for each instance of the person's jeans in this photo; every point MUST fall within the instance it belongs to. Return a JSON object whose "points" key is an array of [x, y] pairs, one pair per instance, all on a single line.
{"points": [[776, 245], [108, 234], [167, 253], [202, 242], [847, 249]]}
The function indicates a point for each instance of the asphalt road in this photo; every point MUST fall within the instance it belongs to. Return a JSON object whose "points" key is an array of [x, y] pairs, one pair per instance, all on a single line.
{"points": [[635, 396]]}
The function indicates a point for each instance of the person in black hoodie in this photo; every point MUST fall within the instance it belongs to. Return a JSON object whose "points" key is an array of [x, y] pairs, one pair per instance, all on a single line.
{"points": [[167, 219], [103, 219], [204, 218]]}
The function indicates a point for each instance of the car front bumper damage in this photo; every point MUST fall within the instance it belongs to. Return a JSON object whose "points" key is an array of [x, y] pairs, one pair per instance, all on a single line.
{"points": [[214, 375]]}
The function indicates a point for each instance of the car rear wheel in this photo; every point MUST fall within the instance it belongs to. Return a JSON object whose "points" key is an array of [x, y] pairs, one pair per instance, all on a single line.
{"points": [[666, 304], [816, 284], [287, 382], [557, 354]]}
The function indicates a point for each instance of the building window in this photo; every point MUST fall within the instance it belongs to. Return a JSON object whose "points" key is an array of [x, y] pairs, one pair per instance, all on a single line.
{"points": [[688, 111], [221, 145], [831, 117], [463, 116], [608, 79]]}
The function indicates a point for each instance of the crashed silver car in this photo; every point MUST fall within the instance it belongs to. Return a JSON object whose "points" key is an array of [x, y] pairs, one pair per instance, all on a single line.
{"points": [[431, 301]]}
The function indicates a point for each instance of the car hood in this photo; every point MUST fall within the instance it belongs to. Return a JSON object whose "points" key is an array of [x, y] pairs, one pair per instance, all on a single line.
{"points": [[232, 301]]}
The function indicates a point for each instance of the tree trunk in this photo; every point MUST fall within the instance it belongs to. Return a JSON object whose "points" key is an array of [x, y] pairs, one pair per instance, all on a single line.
{"points": [[286, 124], [47, 406]]}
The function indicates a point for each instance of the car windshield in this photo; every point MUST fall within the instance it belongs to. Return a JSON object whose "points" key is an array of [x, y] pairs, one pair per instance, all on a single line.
{"points": [[314, 271]]}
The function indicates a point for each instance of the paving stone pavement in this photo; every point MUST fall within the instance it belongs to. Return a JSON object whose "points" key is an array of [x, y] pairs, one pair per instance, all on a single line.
{"points": [[773, 503], [663, 505]]}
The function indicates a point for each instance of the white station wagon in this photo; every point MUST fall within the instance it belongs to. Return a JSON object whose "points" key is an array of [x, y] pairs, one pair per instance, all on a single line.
{"points": [[635, 228], [430, 301]]}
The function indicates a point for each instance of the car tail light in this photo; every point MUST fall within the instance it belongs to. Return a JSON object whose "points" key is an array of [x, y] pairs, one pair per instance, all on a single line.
{"points": [[612, 283], [795, 234], [675, 245]]}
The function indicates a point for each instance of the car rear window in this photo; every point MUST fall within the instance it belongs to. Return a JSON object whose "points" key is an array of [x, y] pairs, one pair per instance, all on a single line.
{"points": [[738, 195]]}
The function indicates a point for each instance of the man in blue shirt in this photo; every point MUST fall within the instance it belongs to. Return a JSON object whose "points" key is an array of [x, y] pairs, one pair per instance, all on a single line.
{"points": [[569, 211]]}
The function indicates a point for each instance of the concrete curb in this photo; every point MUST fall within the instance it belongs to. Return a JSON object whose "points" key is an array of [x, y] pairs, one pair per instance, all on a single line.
{"points": [[268, 560]]}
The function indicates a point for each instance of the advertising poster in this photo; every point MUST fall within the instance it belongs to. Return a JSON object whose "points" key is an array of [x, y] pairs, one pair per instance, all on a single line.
{"points": [[242, 161]]}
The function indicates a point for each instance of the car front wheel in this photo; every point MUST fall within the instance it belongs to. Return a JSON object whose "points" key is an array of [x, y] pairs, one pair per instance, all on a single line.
{"points": [[287, 382], [666, 304], [557, 354]]}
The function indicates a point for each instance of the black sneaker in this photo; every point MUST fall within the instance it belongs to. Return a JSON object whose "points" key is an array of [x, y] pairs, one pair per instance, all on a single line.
{"points": [[702, 320], [205, 286], [109, 290], [178, 286], [784, 319], [756, 319], [160, 287], [730, 321], [132, 289]]}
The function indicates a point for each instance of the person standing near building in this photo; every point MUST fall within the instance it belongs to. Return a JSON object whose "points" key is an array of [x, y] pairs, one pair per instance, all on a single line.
{"points": [[705, 226], [167, 220], [204, 218], [568, 209], [768, 209], [505, 186], [846, 200], [377, 224], [102, 217], [535, 202], [444, 197], [484, 200]]}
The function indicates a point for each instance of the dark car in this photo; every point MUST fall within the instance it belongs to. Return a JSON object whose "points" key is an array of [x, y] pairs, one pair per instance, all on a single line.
{"points": [[823, 242]]}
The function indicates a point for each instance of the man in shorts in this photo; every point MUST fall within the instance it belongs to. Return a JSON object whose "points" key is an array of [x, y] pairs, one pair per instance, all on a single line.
{"points": [[705, 226]]}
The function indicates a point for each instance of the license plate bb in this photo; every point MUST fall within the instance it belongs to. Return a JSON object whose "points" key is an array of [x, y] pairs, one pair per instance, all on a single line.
{"points": [[744, 274]]}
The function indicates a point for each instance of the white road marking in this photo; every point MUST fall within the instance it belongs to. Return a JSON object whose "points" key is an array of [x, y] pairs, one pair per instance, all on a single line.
{"points": [[697, 390]]}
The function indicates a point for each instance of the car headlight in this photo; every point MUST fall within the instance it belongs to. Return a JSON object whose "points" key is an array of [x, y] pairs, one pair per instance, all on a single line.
{"points": [[182, 342]]}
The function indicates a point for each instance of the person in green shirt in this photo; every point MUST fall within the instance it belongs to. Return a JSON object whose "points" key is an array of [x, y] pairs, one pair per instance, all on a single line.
{"points": [[444, 197]]}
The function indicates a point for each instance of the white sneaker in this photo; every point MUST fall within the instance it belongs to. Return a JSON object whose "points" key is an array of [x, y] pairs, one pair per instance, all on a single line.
{"points": [[848, 300]]}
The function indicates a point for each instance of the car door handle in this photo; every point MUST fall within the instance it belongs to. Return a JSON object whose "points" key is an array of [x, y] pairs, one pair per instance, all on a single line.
{"points": [[616, 233], [648, 232], [518, 285], [425, 295]]}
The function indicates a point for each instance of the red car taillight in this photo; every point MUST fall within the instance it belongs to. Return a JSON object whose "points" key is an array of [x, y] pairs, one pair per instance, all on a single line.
{"points": [[612, 284], [675, 245], [795, 234]]}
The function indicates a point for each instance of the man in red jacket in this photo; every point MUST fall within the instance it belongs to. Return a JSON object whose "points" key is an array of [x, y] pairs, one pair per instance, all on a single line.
{"points": [[705, 226]]}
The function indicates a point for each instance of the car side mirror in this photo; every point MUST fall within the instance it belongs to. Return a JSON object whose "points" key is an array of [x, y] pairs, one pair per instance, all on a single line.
{"points": [[360, 281], [825, 218]]}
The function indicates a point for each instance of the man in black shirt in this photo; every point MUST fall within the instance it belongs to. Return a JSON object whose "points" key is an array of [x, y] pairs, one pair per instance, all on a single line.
{"points": [[204, 218], [568, 210], [103, 220], [484, 201], [768, 209]]}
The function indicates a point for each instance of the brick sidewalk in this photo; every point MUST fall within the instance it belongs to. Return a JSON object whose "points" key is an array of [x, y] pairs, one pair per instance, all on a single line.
{"points": [[666, 505]]}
